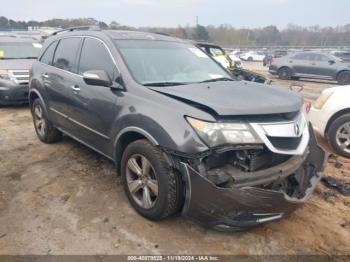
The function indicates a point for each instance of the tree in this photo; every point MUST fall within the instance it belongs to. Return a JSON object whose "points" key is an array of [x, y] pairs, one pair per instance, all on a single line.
{"points": [[181, 32], [200, 33]]}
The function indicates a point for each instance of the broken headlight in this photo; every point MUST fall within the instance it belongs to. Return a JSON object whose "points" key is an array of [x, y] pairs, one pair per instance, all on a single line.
{"points": [[220, 133]]}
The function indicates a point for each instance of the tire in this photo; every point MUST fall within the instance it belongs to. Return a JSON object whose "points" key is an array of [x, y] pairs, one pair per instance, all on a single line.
{"points": [[339, 134], [343, 78], [169, 196], [285, 73], [44, 129], [250, 59]]}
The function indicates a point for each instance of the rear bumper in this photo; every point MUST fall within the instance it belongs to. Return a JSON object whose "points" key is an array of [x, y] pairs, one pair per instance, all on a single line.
{"points": [[241, 207], [16, 94], [273, 70]]}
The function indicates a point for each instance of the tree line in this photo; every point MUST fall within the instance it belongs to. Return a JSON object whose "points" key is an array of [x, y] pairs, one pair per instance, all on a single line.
{"points": [[225, 35]]}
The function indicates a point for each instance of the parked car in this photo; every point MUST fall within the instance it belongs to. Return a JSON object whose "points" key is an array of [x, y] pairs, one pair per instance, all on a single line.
{"points": [[273, 54], [314, 65], [234, 66], [219, 55], [16, 56], [330, 116], [182, 133], [252, 56], [343, 55]]}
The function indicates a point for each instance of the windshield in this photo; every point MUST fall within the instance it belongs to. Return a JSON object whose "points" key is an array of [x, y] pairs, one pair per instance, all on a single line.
{"points": [[19, 50], [152, 62]]}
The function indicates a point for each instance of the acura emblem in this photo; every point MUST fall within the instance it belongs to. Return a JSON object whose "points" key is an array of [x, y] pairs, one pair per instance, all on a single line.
{"points": [[296, 129]]}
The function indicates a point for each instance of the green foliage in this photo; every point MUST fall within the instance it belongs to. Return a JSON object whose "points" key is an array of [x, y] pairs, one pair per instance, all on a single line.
{"points": [[200, 33]]}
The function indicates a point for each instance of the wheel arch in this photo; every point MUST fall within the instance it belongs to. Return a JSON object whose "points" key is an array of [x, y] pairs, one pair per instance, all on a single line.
{"points": [[336, 116], [341, 71], [34, 94], [127, 136]]}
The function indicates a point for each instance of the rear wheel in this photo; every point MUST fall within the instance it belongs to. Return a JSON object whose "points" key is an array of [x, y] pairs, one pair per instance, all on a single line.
{"points": [[344, 78], [339, 135], [44, 129], [285, 73], [250, 59], [152, 187]]}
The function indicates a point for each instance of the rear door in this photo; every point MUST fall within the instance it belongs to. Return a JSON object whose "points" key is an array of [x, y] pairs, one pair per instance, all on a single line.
{"points": [[62, 81], [300, 63], [94, 108]]}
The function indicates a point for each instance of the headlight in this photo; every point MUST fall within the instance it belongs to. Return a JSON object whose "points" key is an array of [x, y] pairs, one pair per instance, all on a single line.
{"points": [[215, 134], [322, 99], [4, 74]]}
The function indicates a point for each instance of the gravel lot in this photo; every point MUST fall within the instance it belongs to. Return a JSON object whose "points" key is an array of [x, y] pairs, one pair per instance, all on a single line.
{"points": [[66, 199]]}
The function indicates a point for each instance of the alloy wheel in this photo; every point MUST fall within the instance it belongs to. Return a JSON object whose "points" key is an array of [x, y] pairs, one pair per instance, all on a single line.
{"points": [[343, 137], [39, 120], [142, 181]]}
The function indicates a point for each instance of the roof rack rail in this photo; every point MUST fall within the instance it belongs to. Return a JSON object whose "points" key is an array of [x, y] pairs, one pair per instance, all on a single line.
{"points": [[71, 29]]}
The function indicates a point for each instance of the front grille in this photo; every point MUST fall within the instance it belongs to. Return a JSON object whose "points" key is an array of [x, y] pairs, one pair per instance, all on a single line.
{"points": [[21, 77], [285, 143]]}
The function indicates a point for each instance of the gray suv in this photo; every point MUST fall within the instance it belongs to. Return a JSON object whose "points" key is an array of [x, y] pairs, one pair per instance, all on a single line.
{"points": [[184, 136], [17, 54], [314, 65]]}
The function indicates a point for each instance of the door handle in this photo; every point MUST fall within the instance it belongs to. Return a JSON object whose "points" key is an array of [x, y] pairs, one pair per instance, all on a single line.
{"points": [[45, 75], [75, 88]]}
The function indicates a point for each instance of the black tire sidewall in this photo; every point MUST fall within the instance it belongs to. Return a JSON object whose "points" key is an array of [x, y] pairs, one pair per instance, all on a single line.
{"points": [[37, 102], [341, 75], [332, 131], [163, 173], [285, 69]]}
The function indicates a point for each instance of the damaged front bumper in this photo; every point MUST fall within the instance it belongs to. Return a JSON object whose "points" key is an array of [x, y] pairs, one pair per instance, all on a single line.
{"points": [[255, 197]]}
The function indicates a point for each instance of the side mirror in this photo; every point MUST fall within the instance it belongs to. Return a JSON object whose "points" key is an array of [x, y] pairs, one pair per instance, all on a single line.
{"points": [[97, 78], [331, 62]]}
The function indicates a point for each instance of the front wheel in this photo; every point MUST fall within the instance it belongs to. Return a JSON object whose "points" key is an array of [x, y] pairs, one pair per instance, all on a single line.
{"points": [[285, 73], [250, 59], [344, 78], [152, 187], [44, 129], [339, 135]]}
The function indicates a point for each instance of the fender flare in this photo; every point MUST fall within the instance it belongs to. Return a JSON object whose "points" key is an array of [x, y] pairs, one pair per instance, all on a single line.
{"points": [[39, 96]]}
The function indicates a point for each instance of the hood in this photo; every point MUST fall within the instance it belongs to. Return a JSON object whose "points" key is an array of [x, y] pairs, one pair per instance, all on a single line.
{"points": [[236, 97], [16, 64]]}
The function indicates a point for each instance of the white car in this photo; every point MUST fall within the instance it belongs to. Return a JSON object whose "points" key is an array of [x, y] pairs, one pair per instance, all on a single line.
{"points": [[330, 117], [236, 60], [252, 56]]}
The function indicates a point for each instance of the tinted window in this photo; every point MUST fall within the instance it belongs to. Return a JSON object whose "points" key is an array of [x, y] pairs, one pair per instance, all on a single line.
{"points": [[47, 57], [319, 57], [94, 56], [302, 56], [66, 53]]}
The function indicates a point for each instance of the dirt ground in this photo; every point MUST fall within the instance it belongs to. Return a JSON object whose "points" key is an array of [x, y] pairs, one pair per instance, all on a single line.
{"points": [[66, 199]]}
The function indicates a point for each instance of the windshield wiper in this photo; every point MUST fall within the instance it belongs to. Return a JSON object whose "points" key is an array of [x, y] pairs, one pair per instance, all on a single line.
{"points": [[165, 84], [217, 79]]}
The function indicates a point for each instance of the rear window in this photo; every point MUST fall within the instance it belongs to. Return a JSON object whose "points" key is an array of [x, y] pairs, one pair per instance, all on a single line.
{"points": [[66, 54]]}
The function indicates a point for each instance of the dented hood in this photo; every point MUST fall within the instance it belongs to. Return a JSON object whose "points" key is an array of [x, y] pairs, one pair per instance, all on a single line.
{"points": [[236, 97]]}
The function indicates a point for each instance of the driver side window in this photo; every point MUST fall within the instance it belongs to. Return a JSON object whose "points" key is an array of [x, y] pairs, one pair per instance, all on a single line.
{"points": [[94, 56]]}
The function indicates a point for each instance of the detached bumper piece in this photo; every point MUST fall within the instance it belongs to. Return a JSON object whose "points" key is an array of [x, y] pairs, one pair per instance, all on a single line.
{"points": [[227, 200]]}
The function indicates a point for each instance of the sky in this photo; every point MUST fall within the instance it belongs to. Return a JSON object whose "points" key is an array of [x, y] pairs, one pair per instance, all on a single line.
{"points": [[171, 13]]}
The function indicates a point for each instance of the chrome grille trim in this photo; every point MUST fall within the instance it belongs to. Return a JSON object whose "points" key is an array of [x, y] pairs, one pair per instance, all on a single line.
{"points": [[20, 77]]}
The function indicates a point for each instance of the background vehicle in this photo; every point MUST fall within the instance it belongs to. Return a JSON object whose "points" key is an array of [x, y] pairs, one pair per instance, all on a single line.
{"points": [[315, 65], [184, 135], [330, 116], [252, 56], [234, 67], [343, 55], [273, 54], [16, 57]]}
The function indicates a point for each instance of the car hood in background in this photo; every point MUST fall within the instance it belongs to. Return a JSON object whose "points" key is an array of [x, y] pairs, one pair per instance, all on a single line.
{"points": [[19, 64], [236, 97]]}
